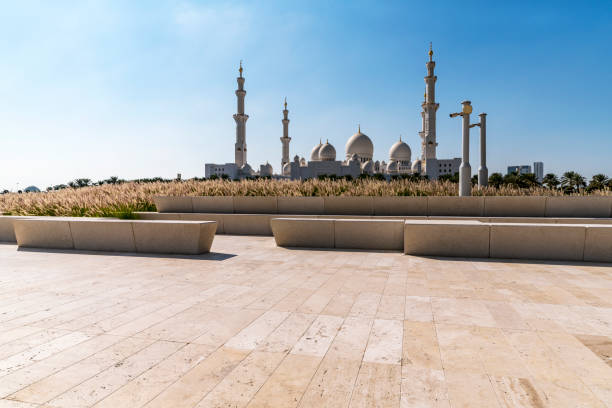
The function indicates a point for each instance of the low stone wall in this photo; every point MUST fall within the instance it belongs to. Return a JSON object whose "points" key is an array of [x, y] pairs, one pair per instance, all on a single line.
{"points": [[477, 206], [474, 239], [162, 236], [259, 224]]}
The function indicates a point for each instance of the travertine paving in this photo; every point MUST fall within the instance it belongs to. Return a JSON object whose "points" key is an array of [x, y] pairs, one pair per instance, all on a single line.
{"points": [[253, 325]]}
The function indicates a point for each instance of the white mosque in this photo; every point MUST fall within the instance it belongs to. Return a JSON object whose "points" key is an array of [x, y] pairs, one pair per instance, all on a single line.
{"points": [[359, 149]]}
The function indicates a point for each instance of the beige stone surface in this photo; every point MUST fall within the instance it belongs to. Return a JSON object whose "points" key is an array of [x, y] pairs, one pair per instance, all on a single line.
{"points": [[514, 206], [256, 325], [148, 215], [369, 234], [247, 224], [218, 218], [300, 205], [536, 241], [303, 232], [255, 205], [598, 243], [173, 237], [455, 206], [213, 204], [103, 235], [43, 233], [446, 238], [173, 204], [349, 205], [590, 207], [7, 230], [411, 206]]}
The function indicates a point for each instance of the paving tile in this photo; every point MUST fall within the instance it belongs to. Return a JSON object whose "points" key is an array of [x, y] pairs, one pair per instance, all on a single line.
{"points": [[377, 385], [318, 337], [385, 342]]}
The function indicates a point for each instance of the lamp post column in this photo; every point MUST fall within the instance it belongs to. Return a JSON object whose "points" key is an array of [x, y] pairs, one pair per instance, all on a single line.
{"points": [[465, 171], [483, 172]]}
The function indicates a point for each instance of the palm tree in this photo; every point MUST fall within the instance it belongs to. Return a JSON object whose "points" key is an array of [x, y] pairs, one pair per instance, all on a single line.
{"points": [[551, 181], [598, 182], [496, 180], [527, 180], [572, 181]]}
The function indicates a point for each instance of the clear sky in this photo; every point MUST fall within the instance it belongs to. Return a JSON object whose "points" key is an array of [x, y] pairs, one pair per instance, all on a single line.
{"points": [[146, 88]]}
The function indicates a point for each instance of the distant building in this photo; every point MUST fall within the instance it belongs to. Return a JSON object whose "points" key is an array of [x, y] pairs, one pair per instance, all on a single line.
{"points": [[31, 189], [240, 168], [538, 169], [359, 150], [524, 169]]}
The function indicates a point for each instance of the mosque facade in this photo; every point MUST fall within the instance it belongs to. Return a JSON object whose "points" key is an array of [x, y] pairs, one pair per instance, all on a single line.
{"points": [[359, 149]]}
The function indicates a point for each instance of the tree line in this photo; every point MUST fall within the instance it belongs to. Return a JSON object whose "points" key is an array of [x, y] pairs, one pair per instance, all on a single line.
{"points": [[569, 182]]}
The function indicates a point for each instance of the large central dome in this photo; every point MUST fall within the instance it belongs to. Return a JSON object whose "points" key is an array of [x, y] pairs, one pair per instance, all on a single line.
{"points": [[361, 145]]}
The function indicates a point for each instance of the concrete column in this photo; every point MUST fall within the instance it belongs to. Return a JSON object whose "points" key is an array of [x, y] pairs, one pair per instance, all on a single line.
{"points": [[465, 170], [483, 172]]}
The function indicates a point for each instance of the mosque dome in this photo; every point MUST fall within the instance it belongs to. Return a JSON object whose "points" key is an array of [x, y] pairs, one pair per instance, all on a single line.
{"points": [[361, 145], [400, 151], [327, 152], [314, 154], [368, 167], [393, 167], [31, 189], [417, 166], [303, 162], [246, 169]]}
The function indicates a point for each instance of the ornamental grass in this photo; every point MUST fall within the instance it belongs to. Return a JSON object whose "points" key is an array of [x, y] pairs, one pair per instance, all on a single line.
{"points": [[124, 199]]}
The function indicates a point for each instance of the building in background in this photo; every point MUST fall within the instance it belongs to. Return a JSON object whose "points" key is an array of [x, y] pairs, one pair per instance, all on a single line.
{"points": [[524, 169], [359, 150], [538, 170], [240, 168]]}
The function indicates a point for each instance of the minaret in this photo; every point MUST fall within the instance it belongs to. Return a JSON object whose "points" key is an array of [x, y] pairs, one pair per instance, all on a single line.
{"points": [[240, 118], [430, 107], [285, 139]]}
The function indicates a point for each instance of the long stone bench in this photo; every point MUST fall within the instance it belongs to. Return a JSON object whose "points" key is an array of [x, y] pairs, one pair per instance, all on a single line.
{"points": [[146, 236], [474, 239], [338, 233]]}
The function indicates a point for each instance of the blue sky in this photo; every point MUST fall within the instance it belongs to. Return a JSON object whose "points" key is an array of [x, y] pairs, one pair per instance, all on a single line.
{"points": [[146, 88]]}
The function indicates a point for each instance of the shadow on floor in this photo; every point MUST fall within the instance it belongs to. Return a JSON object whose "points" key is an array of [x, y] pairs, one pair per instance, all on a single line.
{"points": [[517, 261], [381, 251], [211, 256]]}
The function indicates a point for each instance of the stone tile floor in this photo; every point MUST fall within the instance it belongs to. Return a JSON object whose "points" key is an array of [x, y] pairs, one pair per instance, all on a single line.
{"points": [[253, 325]]}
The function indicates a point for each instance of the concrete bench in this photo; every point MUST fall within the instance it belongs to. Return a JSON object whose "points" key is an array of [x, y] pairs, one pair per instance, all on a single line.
{"points": [[160, 236], [474, 239], [338, 233]]}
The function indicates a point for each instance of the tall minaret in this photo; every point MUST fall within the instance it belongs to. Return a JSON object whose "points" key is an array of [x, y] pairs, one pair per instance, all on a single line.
{"points": [[430, 107], [285, 139], [240, 118]]}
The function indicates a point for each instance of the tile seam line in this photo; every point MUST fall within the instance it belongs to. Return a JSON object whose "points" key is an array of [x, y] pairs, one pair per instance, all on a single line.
{"points": [[71, 235], [571, 370], [350, 400], [135, 378], [250, 352], [64, 368], [287, 354], [147, 345], [299, 404]]}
